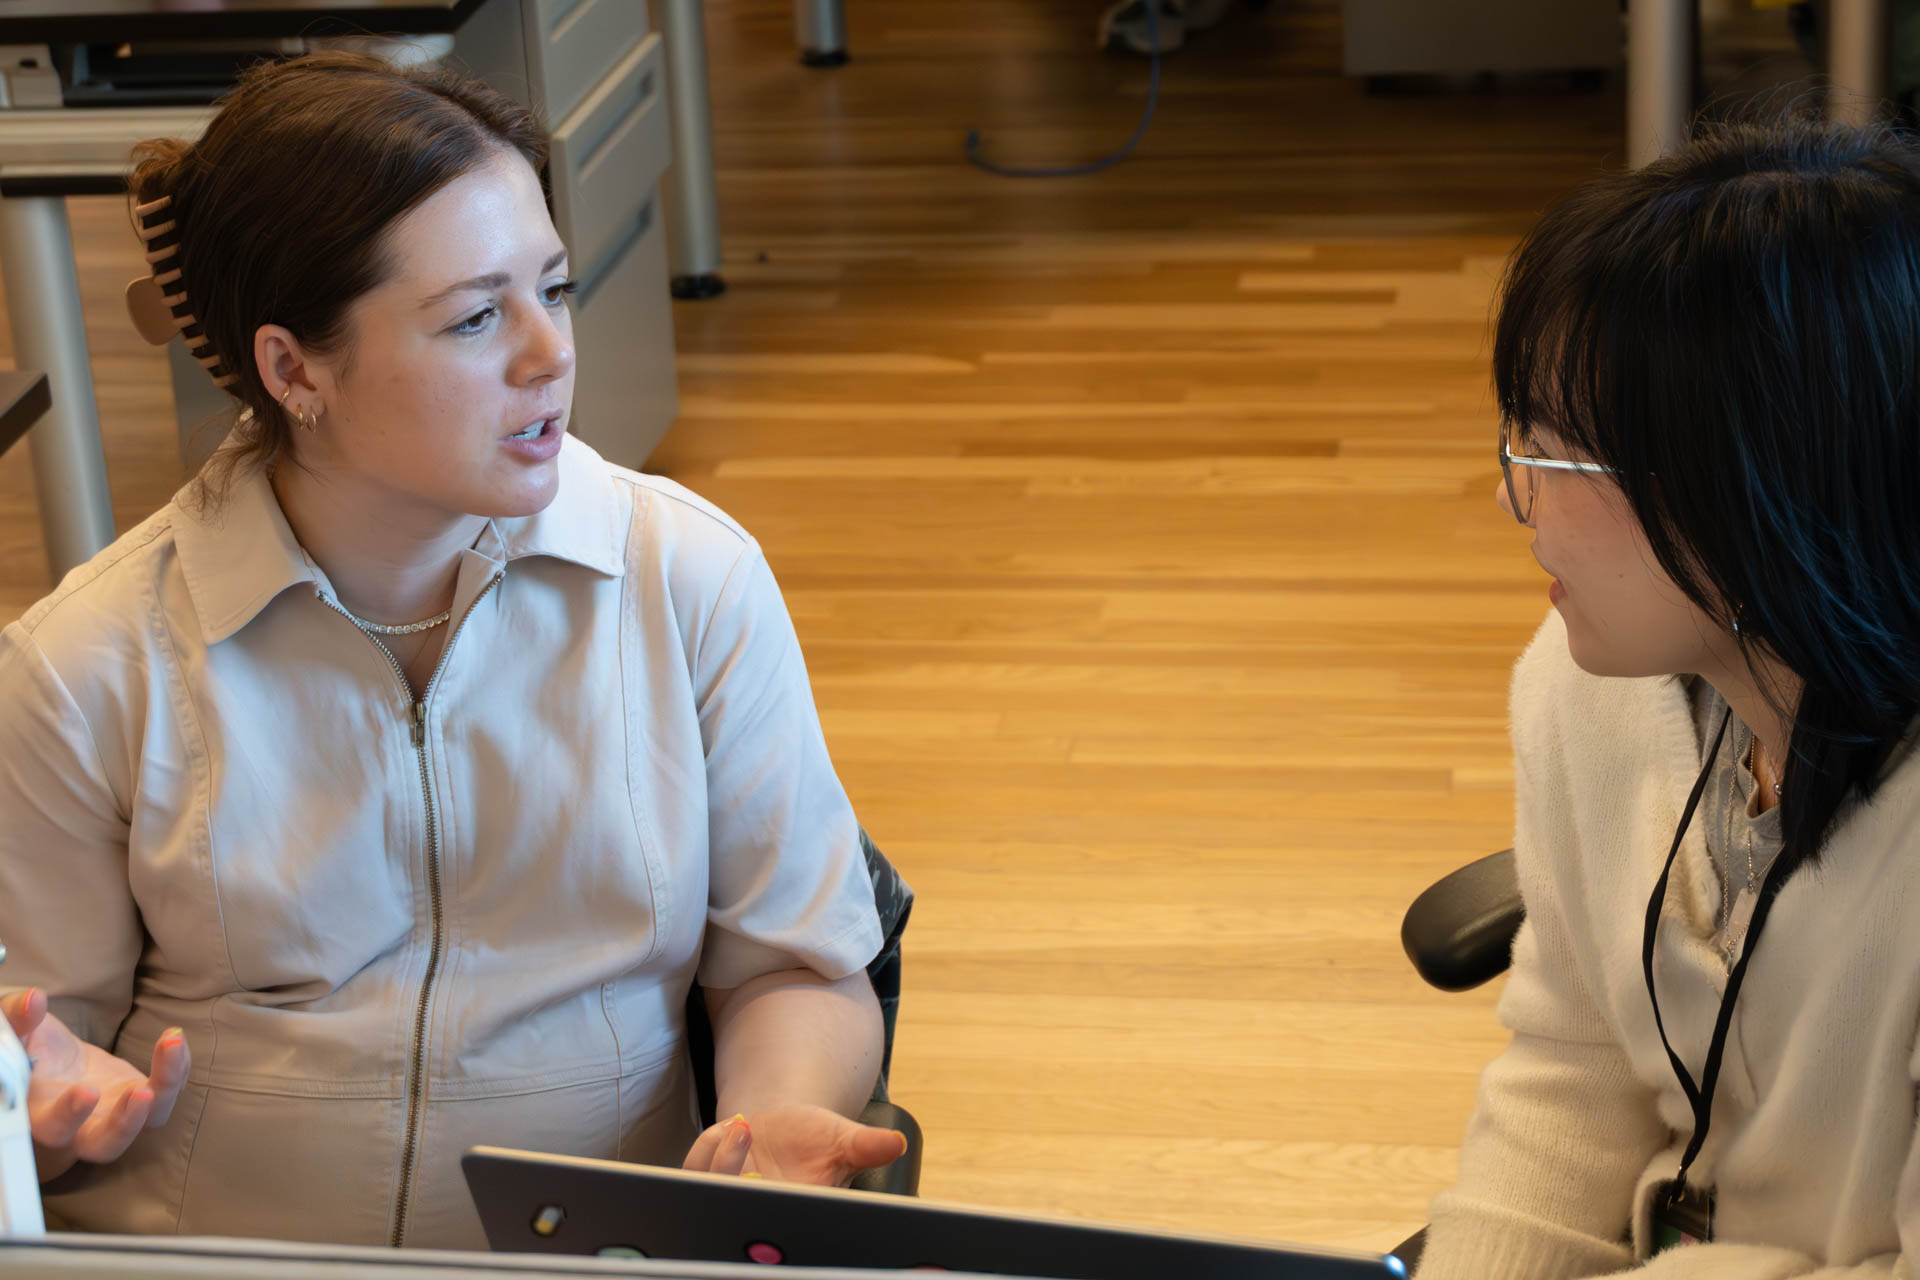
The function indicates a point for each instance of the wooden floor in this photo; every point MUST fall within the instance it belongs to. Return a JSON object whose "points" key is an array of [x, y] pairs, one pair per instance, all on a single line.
{"points": [[1139, 531]]}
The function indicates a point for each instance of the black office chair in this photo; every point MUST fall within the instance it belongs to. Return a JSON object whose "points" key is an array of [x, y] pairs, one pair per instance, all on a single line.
{"points": [[893, 899], [1459, 934]]}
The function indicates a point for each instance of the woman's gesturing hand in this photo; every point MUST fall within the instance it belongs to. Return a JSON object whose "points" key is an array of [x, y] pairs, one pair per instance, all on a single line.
{"points": [[84, 1103], [796, 1144]]}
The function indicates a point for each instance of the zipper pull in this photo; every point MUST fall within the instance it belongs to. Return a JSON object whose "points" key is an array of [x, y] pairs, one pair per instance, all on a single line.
{"points": [[419, 724]]}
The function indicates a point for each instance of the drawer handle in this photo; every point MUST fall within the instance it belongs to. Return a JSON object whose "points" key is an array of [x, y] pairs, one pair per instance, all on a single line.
{"points": [[564, 16], [597, 275], [630, 104]]}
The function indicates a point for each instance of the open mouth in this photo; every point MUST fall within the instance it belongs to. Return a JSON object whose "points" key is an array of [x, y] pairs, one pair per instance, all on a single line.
{"points": [[535, 431]]}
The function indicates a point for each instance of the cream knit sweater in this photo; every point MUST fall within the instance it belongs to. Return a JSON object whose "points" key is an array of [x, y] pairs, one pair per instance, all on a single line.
{"points": [[1812, 1148]]}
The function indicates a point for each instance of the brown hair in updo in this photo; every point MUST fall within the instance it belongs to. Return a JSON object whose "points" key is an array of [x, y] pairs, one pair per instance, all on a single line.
{"points": [[282, 207]]}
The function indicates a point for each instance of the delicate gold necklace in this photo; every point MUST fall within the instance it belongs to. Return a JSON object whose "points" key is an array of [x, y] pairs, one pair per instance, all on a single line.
{"points": [[1753, 753]]}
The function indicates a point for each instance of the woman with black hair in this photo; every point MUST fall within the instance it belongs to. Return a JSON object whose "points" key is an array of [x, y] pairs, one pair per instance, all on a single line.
{"points": [[1708, 374]]}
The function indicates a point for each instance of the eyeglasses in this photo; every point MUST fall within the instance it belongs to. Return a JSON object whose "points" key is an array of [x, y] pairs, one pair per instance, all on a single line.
{"points": [[1520, 494]]}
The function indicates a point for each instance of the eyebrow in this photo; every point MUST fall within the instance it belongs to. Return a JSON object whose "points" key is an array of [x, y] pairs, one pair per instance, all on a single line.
{"points": [[494, 280]]}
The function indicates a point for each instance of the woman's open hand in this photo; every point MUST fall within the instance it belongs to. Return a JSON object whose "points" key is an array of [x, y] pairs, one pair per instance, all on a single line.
{"points": [[796, 1144], [84, 1103]]}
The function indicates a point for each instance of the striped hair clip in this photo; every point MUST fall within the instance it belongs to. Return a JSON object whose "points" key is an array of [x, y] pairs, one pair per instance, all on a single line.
{"points": [[158, 301]]}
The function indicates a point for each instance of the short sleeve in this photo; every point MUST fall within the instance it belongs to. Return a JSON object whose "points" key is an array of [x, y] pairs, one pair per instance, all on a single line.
{"points": [[788, 885], [67, 914]]}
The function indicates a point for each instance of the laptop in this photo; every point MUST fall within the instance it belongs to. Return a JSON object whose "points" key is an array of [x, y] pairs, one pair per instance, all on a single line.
{"points": [[72, 1256], [536, 1203]]}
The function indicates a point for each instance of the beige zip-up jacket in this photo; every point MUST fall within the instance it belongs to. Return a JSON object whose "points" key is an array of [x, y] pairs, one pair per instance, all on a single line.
{"points": [[393, 930]]}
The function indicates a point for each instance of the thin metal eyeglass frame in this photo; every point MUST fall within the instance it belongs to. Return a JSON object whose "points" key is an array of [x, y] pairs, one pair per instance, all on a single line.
{"points": [[1523, 511]]}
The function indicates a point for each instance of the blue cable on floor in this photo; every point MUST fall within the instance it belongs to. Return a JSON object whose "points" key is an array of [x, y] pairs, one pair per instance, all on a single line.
{"points": [[1104, 162]]}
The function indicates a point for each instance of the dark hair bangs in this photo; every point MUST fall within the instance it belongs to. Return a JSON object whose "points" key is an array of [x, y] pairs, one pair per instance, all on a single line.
{"points": [[1546, 350], [1599, 326]]}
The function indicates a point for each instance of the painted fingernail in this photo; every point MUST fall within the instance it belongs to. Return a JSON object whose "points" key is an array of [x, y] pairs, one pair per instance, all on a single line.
{"points": [[753, 1175], [740, 1120]]}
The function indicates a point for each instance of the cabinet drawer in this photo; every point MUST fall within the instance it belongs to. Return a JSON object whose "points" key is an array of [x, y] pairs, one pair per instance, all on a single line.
{"points": [[625, 397], [607, 156], [573, 44]]}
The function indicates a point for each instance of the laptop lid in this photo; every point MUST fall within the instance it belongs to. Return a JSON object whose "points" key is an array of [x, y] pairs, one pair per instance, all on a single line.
{"points": [[72, 1256], [529, 1202]]}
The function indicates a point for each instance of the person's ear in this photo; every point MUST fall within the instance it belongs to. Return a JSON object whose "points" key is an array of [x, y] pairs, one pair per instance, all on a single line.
{"points": [[284, 365]]}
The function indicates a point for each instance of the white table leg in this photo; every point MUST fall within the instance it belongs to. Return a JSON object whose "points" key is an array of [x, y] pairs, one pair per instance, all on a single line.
{"points": [[820, 26], [43, 302], [1659, 77], [693, 204]]}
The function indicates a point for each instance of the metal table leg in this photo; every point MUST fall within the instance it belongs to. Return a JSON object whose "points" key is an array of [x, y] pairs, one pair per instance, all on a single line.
{"points": [[1858, 34], [693, 206], [821, 28], [1659, 77], [43, 301]]}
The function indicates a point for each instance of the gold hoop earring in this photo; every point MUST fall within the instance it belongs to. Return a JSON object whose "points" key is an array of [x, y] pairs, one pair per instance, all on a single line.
{"points": [[299, 415]]}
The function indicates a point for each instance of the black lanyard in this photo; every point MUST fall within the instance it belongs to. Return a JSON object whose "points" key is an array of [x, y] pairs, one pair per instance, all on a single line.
{"points": [[1700, 1096]]}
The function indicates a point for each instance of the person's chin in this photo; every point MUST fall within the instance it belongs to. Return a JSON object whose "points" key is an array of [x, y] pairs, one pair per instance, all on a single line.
{"points": [[527, 493], [1593, 655], [1591, 663]]}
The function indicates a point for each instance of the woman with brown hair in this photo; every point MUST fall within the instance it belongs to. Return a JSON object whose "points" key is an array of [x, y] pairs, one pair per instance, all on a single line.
{"points": [[388, 790]]}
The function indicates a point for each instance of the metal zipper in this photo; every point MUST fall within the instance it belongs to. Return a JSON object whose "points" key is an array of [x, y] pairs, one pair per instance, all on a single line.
{"points": [[417, 1053]]}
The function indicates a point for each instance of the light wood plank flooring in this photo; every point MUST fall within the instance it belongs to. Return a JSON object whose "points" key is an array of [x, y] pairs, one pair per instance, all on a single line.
{"points": [[1139, 531]]}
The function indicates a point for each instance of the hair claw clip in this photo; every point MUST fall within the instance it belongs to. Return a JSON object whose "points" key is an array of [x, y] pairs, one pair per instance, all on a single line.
{"points": [[158, 314]]}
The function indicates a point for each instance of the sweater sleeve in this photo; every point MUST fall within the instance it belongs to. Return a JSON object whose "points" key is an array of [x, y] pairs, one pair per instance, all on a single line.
{"points": [[1562, 1128]]}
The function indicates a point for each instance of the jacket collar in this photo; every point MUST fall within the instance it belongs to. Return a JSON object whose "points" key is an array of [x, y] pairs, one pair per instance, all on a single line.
{"points": [[238, 558], [586, 523]]}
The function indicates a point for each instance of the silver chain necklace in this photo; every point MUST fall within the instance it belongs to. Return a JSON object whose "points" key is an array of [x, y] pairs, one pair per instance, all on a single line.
{"points": [[398, 628]]}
